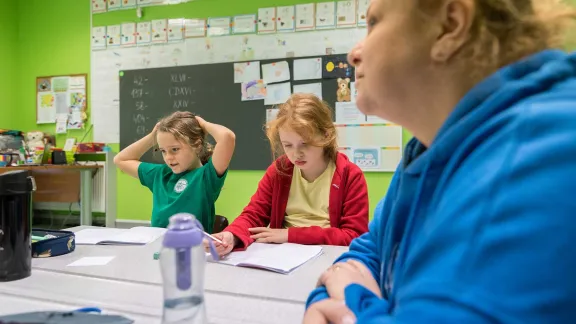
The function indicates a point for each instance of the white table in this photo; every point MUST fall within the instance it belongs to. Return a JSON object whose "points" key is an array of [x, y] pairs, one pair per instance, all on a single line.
{"points": [[131, 284]]}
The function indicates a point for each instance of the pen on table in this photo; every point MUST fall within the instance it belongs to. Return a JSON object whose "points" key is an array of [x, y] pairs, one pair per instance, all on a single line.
{"points": [[213, 238]]}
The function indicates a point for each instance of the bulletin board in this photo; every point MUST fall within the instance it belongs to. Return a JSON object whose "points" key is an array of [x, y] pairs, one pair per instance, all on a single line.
{"points": [[61, 100]]}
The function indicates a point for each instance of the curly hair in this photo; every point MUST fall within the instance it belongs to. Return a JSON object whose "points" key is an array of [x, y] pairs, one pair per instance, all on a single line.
{"points": [[505, 31], [185, 128]]}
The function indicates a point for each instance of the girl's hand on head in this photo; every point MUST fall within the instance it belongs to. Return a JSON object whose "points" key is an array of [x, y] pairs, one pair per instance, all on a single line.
{"points": [[228, 242], [155, 128], [269, 235], [201, 122], [342, 274]]}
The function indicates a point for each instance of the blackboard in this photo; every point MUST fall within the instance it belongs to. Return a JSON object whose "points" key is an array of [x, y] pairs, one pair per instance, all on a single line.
{"points": [[209, 91]]}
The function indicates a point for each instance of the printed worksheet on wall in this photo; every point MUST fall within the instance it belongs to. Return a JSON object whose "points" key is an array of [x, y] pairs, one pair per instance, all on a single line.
{"points": [[346, 13], [159, 31], [325, 15], [127, 4], [194, 28], [218, 26], [98, 6], [244, 24], [113, 35], [305, 18], [128, 34], [266, 20], [175, 30], [114, 5], [99, 38], [285, 19], [144, 33], [362, 11]]}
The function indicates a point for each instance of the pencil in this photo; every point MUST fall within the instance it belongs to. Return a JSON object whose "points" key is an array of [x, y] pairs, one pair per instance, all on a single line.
{"points": [[213, 238]]}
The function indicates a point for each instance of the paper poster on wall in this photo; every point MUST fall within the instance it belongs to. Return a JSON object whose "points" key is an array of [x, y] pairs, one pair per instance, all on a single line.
{"points": [[159, 31], [99, 38], [61, 123], [276, 72], [43, 84], [277, 93], [113, 35], [353, 91], [285, 18], [271, 114], [143, 3], [267, 20], [348, 113], [218, 26], [308, 69], [175, 30], [61, 102], [77, 83], [60, 84], [126, 4], [305, 17], [194, 28], [46, 109], [336, 66], [244, 24], [144, 33], [128, 34], [246, 71], [325, 15], [253, 90], [346, 13], [98, 6], [78, 99], [367, 157], [75, 120], [114, 5], [376, 120], [362, 11], [313, 88]]}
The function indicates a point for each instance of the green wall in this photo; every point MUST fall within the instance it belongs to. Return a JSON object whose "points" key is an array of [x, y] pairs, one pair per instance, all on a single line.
{"points": [[8, 57], [54, 38]]}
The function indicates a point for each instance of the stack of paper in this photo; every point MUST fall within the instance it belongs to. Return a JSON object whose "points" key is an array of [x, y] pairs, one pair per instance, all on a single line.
{"points": [[281, 258], [139, 235]]}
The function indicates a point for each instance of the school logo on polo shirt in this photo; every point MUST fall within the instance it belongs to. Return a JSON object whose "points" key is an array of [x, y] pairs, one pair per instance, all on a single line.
{"points": [[180, 185]]}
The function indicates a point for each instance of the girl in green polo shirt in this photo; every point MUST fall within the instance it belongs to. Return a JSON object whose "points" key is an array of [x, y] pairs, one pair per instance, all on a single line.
{"points": [[193, 174]]}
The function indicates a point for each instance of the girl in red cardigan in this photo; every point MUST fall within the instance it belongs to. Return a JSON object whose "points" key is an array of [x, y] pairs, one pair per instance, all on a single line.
{"points": [[311, 194]]}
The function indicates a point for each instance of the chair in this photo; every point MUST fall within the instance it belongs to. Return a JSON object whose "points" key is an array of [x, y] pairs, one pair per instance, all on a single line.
{"points": [[220, 223]]}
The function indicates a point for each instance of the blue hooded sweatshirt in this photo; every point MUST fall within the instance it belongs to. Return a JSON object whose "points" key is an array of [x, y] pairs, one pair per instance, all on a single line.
{"points": [[481, 226]]}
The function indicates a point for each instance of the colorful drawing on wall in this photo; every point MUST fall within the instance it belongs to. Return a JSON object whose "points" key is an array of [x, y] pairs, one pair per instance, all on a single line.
{"points": [[367, 158], [336, 66], [44, 85], [253, 90], [78, 99], [47, 100], [343, 94]]}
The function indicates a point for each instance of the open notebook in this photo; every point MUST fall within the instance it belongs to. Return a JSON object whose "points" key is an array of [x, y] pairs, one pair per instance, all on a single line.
{"points": [[139, 235], [282, 258]]}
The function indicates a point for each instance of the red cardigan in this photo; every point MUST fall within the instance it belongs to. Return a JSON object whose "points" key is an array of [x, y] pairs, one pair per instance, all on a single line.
{"points": [[348, 206]]}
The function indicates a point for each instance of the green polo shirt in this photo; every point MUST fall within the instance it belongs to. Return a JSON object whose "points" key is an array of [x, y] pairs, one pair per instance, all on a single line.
{"points": [[193, 192]]}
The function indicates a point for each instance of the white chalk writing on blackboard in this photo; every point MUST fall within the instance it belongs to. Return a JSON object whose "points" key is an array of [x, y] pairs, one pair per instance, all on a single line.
{"points": [[178, 78], [180, 91]]}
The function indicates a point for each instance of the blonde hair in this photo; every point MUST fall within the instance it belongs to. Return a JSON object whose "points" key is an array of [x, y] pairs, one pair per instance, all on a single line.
{"points": [[505, 31], [308, 116], [185, 128]]}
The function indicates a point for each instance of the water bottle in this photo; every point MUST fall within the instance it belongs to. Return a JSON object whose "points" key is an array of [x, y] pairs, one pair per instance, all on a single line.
{"points": [[182, 262]]}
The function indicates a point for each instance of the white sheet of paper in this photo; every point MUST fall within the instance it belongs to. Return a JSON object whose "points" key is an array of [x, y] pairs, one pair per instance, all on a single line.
{"points": [[362, 10], [61, 102], [144, 31], [305, 19], [277, 93], [275, 72], [346, 13], [114, 35], [325, 14], [159, 31], [313, 88], [267, 20], [308, 69], [348, 113], [175, 30], [128, 34], [246, 71], [91, 261], [353, 91], [194, 28], [61, 123], [244, 24], [285, 18], [99, 37], [219, 26], [376, 120]]}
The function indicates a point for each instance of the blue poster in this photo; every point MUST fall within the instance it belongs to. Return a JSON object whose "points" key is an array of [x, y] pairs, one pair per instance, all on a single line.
{"points": [[367, 158]]}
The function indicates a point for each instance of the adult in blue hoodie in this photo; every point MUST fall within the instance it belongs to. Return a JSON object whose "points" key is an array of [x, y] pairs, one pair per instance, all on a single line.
{"points": [[479, 222]]}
